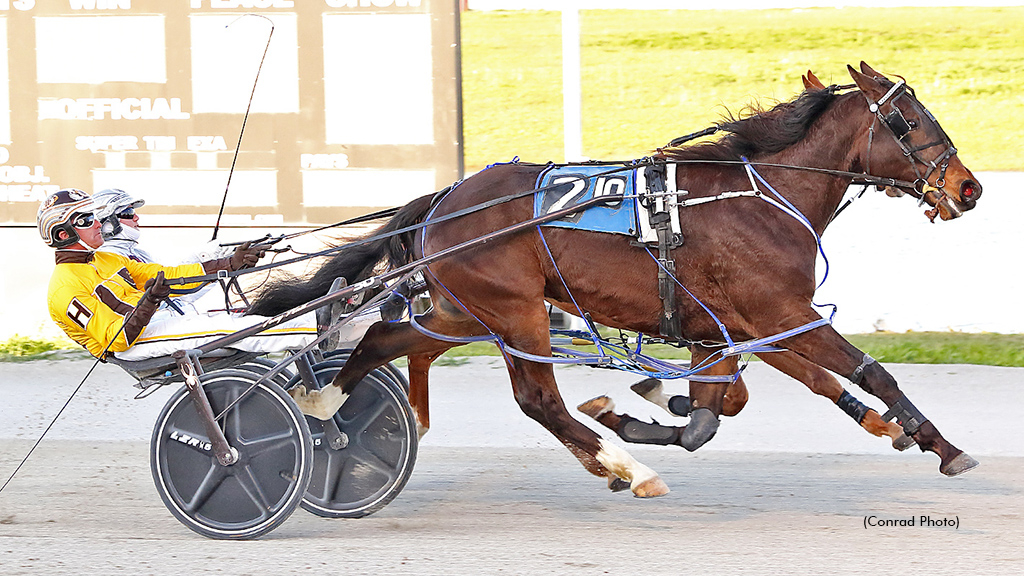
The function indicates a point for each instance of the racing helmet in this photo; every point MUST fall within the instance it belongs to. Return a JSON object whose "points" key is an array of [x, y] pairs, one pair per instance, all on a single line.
{"points": [[115, 201], [57, 212]]}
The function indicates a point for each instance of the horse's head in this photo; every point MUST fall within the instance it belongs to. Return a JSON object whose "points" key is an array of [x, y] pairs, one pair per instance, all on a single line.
{"points": [[917, 148]]}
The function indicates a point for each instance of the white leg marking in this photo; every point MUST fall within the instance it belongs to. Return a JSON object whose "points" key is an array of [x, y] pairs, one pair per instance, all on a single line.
{"points": [[620, 463], [596, 406], [321, 403], [655, 395]]}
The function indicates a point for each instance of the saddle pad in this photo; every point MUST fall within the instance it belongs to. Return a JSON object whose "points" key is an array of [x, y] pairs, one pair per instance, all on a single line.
{"points": [[561, 186]]}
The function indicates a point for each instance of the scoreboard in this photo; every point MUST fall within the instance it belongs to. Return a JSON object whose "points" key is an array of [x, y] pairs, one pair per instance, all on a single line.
{"points": [[357, 105]]}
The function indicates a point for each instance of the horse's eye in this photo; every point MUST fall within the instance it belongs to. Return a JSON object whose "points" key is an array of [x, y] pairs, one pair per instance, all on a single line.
{"points": [[912, 124]]}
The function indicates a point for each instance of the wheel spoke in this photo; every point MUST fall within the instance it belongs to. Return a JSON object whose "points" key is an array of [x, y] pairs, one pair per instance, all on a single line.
{"points": [[366, 458], [336, 469], [254, 448], [247, 479], [231, 420], [213, 479], [361, 421]]}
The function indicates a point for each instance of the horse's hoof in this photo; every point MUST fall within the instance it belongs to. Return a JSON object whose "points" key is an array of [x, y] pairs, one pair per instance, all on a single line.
{"points": [[648, 387], [650, 488], [596, 406], [902, 442], [616, 484], [962, 463], [702, 427], [320, 404]]}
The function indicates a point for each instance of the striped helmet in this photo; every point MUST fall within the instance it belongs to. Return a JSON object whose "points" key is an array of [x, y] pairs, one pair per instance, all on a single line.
{"points": [[114, 200], [55, 214]]}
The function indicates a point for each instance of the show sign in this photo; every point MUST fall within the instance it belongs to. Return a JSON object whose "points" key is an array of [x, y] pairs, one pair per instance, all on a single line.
{"points": [[358, 105]]}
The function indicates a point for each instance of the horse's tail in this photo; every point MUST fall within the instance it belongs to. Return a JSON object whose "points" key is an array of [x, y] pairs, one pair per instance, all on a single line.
{"points": [[354, 264]]}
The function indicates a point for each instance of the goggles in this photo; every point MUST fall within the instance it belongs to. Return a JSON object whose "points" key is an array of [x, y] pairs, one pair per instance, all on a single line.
{"points": [[126, 214], [83, 220]]}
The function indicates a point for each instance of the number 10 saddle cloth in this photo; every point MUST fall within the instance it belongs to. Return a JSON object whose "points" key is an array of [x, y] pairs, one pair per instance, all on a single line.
{"points": [[634, 195]]}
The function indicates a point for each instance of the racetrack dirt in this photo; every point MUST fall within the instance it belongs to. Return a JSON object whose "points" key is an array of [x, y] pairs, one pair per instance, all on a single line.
{"points": [[790, 486]]}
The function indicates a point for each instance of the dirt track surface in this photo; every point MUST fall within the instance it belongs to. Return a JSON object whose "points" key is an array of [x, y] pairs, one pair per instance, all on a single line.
{"points": [[785, 488]]}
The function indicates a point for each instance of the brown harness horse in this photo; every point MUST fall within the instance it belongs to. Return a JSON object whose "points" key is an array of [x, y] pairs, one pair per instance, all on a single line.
{"points": [[748, 263]]}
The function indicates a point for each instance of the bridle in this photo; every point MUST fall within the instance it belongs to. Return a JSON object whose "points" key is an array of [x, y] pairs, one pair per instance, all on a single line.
{"points": [[900, 128]]}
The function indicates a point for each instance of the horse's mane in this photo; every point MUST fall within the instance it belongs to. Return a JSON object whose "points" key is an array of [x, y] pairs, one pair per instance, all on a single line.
{"points": [[759, 131]]}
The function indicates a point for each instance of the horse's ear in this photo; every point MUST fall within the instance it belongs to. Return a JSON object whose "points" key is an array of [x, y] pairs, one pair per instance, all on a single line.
{"points": [[811, 82], [870, 71], [868, 85]]}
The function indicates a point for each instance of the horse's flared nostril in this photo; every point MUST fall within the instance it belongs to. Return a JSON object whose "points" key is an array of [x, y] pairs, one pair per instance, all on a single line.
{"points": [[970, 191]]}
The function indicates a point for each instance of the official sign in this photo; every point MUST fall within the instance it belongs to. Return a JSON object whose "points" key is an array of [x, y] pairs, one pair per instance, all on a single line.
{"points": [[358, 105]]}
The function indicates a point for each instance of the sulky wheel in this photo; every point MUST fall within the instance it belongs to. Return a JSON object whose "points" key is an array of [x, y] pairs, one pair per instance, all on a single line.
{"points": [[362, 469], [388, 370], [261, 366], [252, 496]]}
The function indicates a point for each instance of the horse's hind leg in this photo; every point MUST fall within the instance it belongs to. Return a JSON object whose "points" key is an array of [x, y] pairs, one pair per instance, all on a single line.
{"points": [[819, 381], [383, 342], [419, 366], [826, 348]]}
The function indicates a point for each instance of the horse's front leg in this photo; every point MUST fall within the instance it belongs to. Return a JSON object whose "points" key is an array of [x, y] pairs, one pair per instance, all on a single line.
{"points": [[826, 348], [712, 400], [652, 390], [819, 381], [535, 389], [708, 398]]}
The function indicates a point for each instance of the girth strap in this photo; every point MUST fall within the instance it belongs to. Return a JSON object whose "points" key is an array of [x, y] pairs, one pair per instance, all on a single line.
{"points": [[660, 213]]}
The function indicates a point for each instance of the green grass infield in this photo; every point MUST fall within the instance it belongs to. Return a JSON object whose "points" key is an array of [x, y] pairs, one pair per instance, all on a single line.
{"points": [[650, 76]]}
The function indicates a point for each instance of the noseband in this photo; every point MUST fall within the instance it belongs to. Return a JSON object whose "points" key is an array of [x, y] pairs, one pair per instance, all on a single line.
{"points": [[900, 128]]}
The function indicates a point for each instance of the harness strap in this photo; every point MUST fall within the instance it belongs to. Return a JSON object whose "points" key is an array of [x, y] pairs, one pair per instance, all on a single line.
{"points": [[669, 325], [873, 106]]}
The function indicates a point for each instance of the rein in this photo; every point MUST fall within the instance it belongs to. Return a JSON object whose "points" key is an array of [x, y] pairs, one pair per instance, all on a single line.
{"points": [[895, 121], [856, 177]]}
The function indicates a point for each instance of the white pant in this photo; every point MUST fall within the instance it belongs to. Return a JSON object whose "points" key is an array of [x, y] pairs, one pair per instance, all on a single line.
{"points": [[169, 332]]}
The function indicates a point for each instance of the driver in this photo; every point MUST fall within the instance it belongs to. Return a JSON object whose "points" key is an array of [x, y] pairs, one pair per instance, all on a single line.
{"points": [[119, 224], [93, 294]]}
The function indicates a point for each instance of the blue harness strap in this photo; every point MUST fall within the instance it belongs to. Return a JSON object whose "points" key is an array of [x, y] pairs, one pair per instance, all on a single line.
{"points": [[577, 183]]}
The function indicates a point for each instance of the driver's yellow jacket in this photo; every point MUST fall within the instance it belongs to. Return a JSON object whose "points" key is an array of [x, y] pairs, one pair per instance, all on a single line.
{"points": [[91, 294]]}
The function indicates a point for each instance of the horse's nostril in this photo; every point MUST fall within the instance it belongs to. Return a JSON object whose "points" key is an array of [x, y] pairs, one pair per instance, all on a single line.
{"points": [[970, 191]]}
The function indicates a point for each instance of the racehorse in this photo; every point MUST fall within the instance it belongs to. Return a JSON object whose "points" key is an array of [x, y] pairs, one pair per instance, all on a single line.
{"points": [[749, 264]]}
